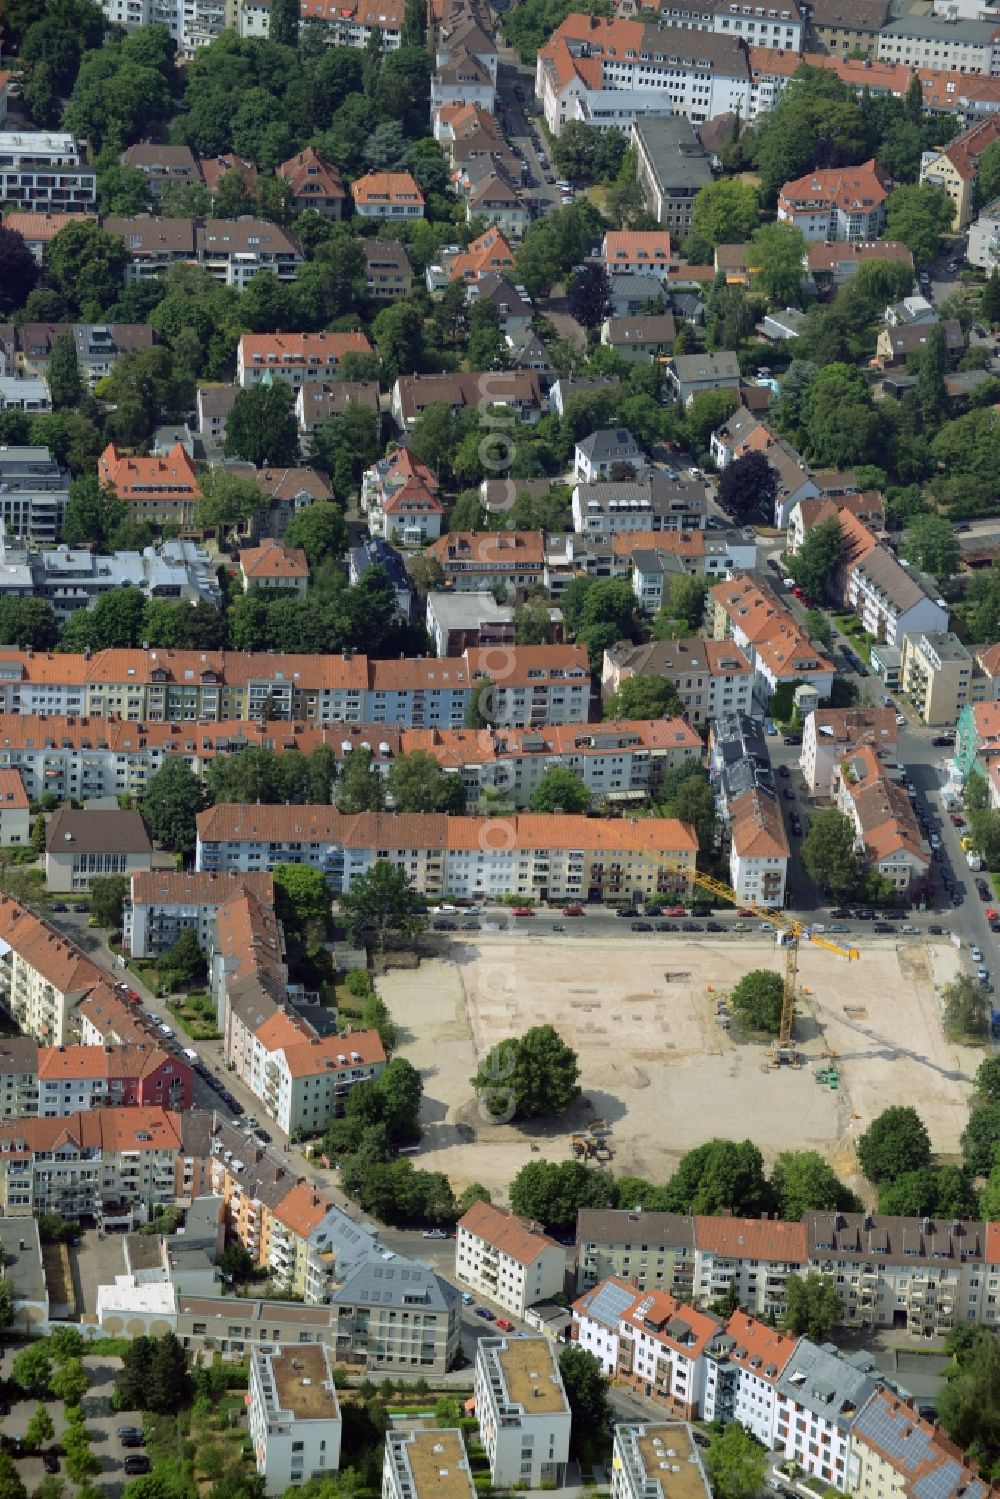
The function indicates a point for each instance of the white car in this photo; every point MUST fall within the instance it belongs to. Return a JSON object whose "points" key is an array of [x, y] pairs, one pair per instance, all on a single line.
{"points": [[165, 1029], [788, 582], [935, 841], [976, 953], [901, 720]]}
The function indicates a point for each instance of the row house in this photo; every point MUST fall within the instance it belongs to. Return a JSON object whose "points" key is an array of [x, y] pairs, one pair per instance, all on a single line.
{"points": [[895, 1449], [829, 734], [114, 1167], [773, 68], [38, 230], [50, 1082], [868, 508], [548, 857], [654, 502], [888, 834], [300, 359], [649, 1341], [25, 350], [712, 677], [474, 560], [890, 600], [43, 974], [748, 612], [353, 24], [190, 689], [510, 1260], [942, 43], [229, 250], [165, 903], [518, 391], [758, 849], [742, 1369], [700, 74]]}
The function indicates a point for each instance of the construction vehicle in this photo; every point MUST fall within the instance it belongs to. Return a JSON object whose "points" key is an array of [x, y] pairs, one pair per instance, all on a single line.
{"points": [[789, 932]]}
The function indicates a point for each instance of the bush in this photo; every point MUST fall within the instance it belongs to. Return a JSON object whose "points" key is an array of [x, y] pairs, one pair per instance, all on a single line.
{"points": [[358, 983]]}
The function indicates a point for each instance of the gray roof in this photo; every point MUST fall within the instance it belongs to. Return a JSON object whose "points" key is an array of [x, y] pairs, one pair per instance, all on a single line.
{"points": [[900, 587], [690, 368], [859, 1237], [18, 1054], [466, 611], [645, 560], [938, 28], [620, 1226], [500, 290], [609, 443], [82, 832], [22, 1254], [823, 1382], [655, 326], [851, 15], [216, 400], [396, 1283], [677, 157], [654, 490], [910, 1444]]}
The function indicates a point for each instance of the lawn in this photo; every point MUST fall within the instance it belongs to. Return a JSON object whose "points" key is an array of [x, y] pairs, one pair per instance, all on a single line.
{"points": [[195, 1014]]}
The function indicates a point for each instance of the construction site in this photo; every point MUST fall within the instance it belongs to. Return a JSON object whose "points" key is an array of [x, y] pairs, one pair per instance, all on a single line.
{"points": [[661, 1069]]}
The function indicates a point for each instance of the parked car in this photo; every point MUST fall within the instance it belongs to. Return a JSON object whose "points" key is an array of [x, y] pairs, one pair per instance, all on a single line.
{"points": [[784, 772], [504, 1324], [50, 1462], [467, 1298], [701, 908], [941, 741], [81, 908], [884, 928], [624, 912], [447, 926], [485, 1313], [471, 926], [138, 1464], [58, 905], [714, 926], [901, 720], [789, 794], [524, 910], [435, 1233], [572, 910], [642, 926], [792, 739], [691, 926]]}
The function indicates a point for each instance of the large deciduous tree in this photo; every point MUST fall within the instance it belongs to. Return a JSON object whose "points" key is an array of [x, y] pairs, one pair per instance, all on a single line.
{"points": [[829, 854], [261, 428], [383, 900], [747, 488], [818, 558], [896, 1141], [812, 1305], [531, 1076], [174, 797], [757, 1000], [18, 271]]}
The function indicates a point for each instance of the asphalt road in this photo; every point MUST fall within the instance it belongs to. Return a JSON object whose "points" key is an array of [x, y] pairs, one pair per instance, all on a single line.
{"points": [[516, 118]]}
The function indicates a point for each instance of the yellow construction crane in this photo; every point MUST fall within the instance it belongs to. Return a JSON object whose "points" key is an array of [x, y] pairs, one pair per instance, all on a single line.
{"points": [[790, 932]]}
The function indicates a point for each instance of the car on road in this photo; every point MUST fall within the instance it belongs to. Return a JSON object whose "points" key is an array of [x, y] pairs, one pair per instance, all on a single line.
{"points": [[884, 928], [910, 931], [742, 926], [838, 926], [792, 739], [935, 931], [139, 1463], [956, 819], [743, 911], [642, 926], [50, 1462], [675, 911], [766, 926], [784, 772], [471, 926], [80, 908], [769, 727], [700, 908], [524, 911], [263, 1136], [58, 905], [665, 926], [164, 1029], [504, 1324], [840, 914], [982, 975], [789, 794], [995, 926], [984, 890], [975, 954], [691, 926], [901, 720], [958, 895], [572, 910], [435, 1233], [446, 926], [624, 912], [485, 1313], [714, 926], [467, 1298]]}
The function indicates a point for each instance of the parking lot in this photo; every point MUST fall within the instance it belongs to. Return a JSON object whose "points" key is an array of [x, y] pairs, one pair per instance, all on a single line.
{"points": [[102, 1425]]}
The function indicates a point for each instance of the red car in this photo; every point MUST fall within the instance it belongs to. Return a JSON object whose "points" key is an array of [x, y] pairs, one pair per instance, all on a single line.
{"points": [[957, 819], [742, 911], [572, 910], [524, 911], [675, 911], [504, 1324]]}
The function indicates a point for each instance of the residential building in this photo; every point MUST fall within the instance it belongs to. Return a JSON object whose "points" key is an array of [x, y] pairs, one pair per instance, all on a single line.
{"points": [[34, 490], [655, 503], [672, 167], [387, 195], [491, 253], [772, 70], [313, 182], [20, 1243], [402, 500], [739, 760], [215, 168], [608, 454], [838, 203], [38, 230], [830, 733], [742, 1370], [660, 1352], [741, 433], [516, 390], [840, 259], [30, 397], [630, 295], [700, 554], [513, 305], [639, 340], [550, 857], [868, 508], [632, 252], [895, 345], [700, 76], [576, 88], [80, 846], [942, 44], [229, 250], [509, 1260], [646, 1250], [819, 1395], [15, 811], [689, 374], [846, 28], [472, 560], [43, 975], [352, 25], [885, 824], [656, 1459], [969, 95], [749, 1259], [316, 403], [163, 166], [45, 171], [522, 1410], [425, 1458], [273, 566], [747, 611], [73, 1079], [293, 1416], [388, 273], [712, 677], [297, 358], [72, 580], [162, 904], [889, 600], [893, 1446], [158, 491], [937, 676], [458, 621], [758, 849], [984, 238], [213, 404]]}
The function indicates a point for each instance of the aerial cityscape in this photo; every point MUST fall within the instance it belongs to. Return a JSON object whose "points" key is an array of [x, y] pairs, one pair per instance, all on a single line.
{"points": [[499, 749]]}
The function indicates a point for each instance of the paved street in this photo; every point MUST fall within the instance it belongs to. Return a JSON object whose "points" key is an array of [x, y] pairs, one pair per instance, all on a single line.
{"points": [[515, 117]]}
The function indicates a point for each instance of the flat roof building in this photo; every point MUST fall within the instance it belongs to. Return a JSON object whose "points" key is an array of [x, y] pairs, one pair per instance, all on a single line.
{"points": [[426, 1463], [294, 1416], [523, 1412], [657, 1461]]}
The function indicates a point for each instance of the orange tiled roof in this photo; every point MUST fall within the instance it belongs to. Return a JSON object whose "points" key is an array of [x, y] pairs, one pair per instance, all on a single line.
{"points": [[302, 1210], [317, 1057], [272, 559], [145, 478], [12, 792], [756, 1238], [387, 187], [759, 1348], [520, 1238], [842, 187], [757, 828], [300, 348]]}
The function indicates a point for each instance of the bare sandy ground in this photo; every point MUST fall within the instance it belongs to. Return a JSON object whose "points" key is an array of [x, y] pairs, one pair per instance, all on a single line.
{"points": [[640, 1015]]}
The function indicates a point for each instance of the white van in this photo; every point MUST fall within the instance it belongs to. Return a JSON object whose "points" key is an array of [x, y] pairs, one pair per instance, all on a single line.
{"points": [[192, 1056]]}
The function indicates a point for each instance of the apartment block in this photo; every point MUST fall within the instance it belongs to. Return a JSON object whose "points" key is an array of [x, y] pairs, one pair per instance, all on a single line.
{"points": [[758, 849], [297, 358], [15, 811], [229, 250], [423, 1459], [830, 733], [819, 1396], [942, 44], [523, 1412], [162, 904], [839, 203], [293, 1416], [45, 171], [741, 1373], [657, 1460], [893, 1449], [712, 677], [653, 503], [43, 975], [937, 676], [651, 1251], [34, 490], [73, 1079], [885, 824], [749, 1259], [507, 1259], [545, 856]]}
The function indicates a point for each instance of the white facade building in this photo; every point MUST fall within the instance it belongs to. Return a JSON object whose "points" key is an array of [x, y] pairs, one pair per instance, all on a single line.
{"points": [[508, 1259], [294, 1417], [523, 1412], [426, 1463]]}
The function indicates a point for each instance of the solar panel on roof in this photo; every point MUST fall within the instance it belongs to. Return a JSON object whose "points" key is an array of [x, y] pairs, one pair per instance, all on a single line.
{"points": [[610, 1304], [941, 1482]]}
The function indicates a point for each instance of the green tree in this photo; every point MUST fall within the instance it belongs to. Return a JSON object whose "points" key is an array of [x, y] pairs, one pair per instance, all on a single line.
{"points": [[818, 558], [560, 790], [345, 445], [320, 532], [237, 1262], [931, 543], [261, 427], [301, 896], [88, 265], [812, 1305], [802, 1182], [528, 1077], [93, 513], [361, 787], [918, 215], [735, 1463], [587, 1392], [693, 801], [18, 271], [39, 1430], [70, 1382], [726, 212], [474, 1192], [552, 1193], [590, 296], [820, 629], [284, 28], [399, 336], [758, 998], [643, 697], [968, 1405], [980, 1138], [777, 254], [965, 1009], [684, 608], [107, 897], [417, 783], [989, 306], [168, 1385], [896, 1141], [32, 1370], [28, 622], [720, 1176], [945, 1192], [382, 899], [11, 1483], [829, 853], [987, 1080], [174, 797], [227, 500], [707, 411], [62, 372], [185, 957], [747, 488]]}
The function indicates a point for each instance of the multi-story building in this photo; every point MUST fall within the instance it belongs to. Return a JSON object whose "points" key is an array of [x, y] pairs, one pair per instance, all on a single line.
{"points": [[955, 168], [553, 857], [82, 846], [638, 252], [274, 567], [75, 579], [893, 1449], [672, 166], [158, 491], [387, 195], [388, 273], [758, 849], [522, 1410], [839, 203], [984, 238], [43, 975], [45, 172], [419, 1460], [74, 1079], [885, 824], [660, 1352], [938, 676], [297, 358], [711, 676], [942, 44], [471, 560], [507, 1259], [657, 1460], [352, 25], [829, 733], [819, 1395], [230, 250], [38, 230], [748, 612], [690, 374], [34, 490], [650, 1251], [165, 903], [749, 1259], [313, 182], [99, 346], [846, 28], [293, 1416], [654, 502], [889, 599], [518, 391], [15, 811], [741, 1373]]}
